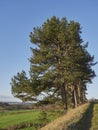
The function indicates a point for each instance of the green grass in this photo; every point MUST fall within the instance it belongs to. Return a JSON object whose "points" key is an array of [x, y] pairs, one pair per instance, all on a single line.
{"points": [[95, 118], [25, 117], [88, 120], [8, 119]]}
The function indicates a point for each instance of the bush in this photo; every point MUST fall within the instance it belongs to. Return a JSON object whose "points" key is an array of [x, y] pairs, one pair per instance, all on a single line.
{"points": [[43, 118]]}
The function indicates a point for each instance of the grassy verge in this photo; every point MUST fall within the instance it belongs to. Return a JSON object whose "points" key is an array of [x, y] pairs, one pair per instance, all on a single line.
{"points": [[84, 122], [84, 117], [94, 125], [68, 121], [89, 120]]}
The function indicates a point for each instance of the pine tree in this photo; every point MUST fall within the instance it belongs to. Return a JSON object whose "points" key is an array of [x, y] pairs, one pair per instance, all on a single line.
{"points": [[21, 87], [60, 65], [60, 58]]}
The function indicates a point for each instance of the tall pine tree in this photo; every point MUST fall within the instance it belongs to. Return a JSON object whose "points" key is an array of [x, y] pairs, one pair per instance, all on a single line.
{"points": [[60, 58], [60, 65]]}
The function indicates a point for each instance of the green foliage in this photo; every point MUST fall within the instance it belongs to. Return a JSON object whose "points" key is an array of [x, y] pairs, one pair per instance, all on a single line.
{"points": [[60, 58], [60, 65], [21, 87], [43, 118]]}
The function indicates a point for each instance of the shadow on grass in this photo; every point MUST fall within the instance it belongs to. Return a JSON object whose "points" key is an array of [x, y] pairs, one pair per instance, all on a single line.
{"points": [[85, 122]]}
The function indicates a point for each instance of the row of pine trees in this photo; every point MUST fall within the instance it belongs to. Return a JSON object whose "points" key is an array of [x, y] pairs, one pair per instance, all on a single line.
{"points": [[60, 65]]}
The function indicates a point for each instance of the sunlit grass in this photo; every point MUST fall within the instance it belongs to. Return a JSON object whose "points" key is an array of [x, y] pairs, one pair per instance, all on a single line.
{"points": [[95, 118], [20, 117], [70, 118], [8, 119]]}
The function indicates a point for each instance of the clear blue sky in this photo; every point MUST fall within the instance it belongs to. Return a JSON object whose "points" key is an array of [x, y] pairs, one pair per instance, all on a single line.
{"points": [[17, 19]]}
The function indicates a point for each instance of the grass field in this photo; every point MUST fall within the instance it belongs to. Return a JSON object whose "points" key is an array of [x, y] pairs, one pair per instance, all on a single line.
{"points": [[26, 119], [84, 117]]}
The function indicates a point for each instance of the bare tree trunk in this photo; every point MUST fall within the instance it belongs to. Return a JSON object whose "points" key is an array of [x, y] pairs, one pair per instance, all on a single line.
{"points": [[74, 97], [78, 93], [64, 97], [83, 96]]}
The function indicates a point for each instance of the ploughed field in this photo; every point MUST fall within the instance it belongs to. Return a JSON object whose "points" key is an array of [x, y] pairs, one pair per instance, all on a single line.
{"points": [[26, 119]]}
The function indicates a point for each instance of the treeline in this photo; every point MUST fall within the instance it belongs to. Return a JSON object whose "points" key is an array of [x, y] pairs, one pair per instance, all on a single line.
{"points": [[60, 65], [15, 106]]}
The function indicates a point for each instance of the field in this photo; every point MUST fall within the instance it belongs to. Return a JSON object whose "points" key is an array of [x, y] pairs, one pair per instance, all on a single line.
{"points": [[84, 117], [26, 119]]}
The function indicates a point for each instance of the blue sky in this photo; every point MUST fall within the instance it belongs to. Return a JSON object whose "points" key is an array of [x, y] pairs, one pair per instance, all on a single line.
{"points": [[17, 19]]}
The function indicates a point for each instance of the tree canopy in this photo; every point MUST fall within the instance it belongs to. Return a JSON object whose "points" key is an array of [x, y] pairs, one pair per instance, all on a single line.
{"points": [[60, 65]]}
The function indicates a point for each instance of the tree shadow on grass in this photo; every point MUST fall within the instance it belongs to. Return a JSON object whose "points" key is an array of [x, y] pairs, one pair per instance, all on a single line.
{"points": [[85, 122]]}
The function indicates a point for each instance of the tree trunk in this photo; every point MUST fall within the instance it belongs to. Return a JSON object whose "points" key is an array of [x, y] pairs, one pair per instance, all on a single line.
{"points": [[78, 93], [74, 98], [64, 97]]}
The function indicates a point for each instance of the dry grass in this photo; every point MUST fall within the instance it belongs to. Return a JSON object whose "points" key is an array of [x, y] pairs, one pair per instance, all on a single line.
{"points": [[62, 122]]}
